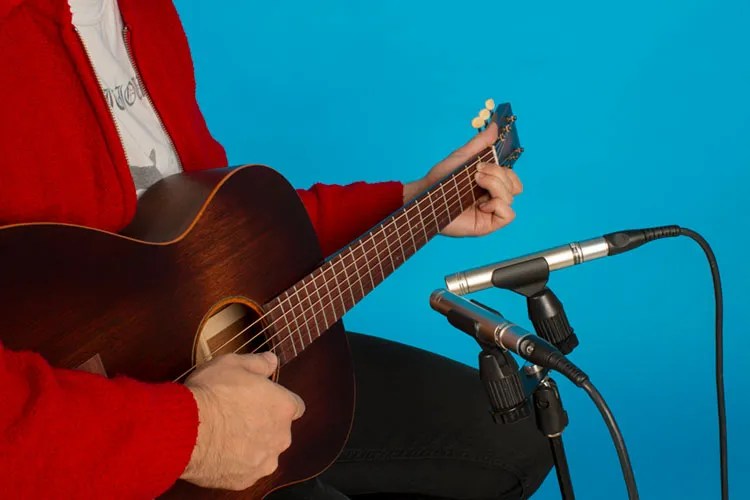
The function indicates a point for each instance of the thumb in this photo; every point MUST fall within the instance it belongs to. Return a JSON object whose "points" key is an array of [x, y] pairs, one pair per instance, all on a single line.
{"points": [[477, 143], [264, 363]]}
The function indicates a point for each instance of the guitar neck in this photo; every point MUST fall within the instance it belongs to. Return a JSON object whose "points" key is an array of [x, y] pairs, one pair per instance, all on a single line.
{"points": [[303, 312], [307, 309]]}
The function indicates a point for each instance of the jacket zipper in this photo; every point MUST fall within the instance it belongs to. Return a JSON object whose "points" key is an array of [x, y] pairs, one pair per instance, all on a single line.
{"points": [[143, 88], [101, 87], [126, 39]]}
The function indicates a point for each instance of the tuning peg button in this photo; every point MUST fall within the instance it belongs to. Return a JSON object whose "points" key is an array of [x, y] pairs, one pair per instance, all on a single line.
{"points": [[489, 104], [484, 114], [477, 122]]}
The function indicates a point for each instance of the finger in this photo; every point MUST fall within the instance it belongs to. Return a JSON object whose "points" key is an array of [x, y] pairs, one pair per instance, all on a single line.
{"points": [[495, 186], [299, 405], [269, 467], [497, 171], [264, 363], [477, 143], [499, 209], [517, 184]]}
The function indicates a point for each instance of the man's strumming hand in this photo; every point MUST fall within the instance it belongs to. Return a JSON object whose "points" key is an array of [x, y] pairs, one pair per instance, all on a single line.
{"points": [[245, 421], [492, 211]]}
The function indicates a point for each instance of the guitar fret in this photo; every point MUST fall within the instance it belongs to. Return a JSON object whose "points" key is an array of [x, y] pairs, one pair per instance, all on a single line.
{"points": [[298, 311], [309, 311], [458, 191], [468, 173], [280, 320], [333, 291], [376, 257], [411, 234], [350, 265], [340, 260], [355, 267], [388, 245], [393, 228], [290, 339], [321, 302], [447, 205], [285, 313], [434, 212], [278, 339], [389, 248], [366, 266], [424, 224], [469, 181]]}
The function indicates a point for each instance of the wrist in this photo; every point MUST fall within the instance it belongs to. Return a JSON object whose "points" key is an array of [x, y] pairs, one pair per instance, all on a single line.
{"points": [[204, 435], [413, 189]]}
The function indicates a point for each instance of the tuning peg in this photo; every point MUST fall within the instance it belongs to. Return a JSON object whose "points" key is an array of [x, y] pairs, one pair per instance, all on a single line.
{"points": [[484, 114], [489, 104], [477, 122]]}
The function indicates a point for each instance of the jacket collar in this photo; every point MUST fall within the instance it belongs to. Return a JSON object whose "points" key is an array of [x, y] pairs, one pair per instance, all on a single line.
{"points": [[59, 10]]}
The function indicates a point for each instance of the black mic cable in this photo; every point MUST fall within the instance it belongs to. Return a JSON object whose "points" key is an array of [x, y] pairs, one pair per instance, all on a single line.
{"points": [[719, 322], [490, 327], [510, 271]]}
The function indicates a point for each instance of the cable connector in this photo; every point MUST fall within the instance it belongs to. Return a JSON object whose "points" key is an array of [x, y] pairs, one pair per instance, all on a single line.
{"points": [[622, 241]]}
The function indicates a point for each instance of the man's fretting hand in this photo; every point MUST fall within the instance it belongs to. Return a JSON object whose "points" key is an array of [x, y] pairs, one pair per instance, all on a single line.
{"points": [[492, 211], [245, 421]]}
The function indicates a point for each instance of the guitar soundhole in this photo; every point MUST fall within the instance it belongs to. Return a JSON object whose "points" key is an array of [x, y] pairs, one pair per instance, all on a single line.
{"points": [[231, 327]]}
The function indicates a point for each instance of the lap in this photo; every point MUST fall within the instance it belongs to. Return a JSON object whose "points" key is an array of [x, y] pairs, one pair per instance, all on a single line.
{"points": [[422, 429]]}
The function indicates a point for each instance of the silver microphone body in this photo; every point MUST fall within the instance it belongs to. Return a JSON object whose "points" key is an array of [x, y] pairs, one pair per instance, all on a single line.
{"points": [[560, 257], [489, 326]]}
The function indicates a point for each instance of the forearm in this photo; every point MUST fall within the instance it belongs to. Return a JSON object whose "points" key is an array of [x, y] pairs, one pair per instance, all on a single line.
{"points": [[413, 189], [342, 213]]}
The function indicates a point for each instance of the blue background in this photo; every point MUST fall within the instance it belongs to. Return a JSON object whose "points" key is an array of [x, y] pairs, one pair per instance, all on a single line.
{"points": [[632, 114]]}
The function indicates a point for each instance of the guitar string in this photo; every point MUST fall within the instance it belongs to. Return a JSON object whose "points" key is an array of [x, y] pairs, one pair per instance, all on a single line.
{"points": [[349, 285], [345, 271], [460, 191], [479, 159], [355, 263]]}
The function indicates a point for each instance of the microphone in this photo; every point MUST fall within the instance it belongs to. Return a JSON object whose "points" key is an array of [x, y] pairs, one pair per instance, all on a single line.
{"points": [[553, 259], [489, 327]]}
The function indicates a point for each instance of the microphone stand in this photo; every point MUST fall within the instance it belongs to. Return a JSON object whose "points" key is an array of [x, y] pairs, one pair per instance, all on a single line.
{"points": [[546, 312], [509, 391], [551, 420]]}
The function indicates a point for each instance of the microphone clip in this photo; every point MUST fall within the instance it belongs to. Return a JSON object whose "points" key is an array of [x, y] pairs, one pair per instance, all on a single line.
{"points": [[529, 278]]}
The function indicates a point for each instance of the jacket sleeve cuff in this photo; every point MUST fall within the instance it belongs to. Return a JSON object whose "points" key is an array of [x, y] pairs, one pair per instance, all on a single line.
{"points": [[87, 435]]}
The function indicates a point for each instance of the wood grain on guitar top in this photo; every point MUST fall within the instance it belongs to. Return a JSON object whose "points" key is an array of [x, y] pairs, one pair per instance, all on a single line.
{"points": [[71, 293]]}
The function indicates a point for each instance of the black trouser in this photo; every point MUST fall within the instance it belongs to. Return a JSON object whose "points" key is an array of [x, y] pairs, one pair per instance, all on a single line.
{"points": [[422, 430]]}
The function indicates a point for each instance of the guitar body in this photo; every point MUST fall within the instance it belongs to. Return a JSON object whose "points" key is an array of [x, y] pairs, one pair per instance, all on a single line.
{"points": [[134, 304]]}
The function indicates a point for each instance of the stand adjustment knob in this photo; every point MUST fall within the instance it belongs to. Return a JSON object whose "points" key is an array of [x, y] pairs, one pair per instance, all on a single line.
{"points": [[499, 373], [550, 321]]}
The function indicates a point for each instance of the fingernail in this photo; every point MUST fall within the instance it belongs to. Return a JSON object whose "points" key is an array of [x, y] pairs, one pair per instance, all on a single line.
{"points": [[483, 205], [480, 167], [478, 175]]}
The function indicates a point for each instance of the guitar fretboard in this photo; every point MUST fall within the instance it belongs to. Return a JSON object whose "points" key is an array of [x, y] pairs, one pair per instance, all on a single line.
{"points": [[307, 309]]}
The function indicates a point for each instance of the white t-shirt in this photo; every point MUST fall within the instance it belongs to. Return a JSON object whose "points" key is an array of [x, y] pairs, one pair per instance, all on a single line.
{"points": [[148, 149]]}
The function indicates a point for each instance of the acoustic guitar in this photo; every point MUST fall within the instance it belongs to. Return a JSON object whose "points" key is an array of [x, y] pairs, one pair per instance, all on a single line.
{"points": [[209, 266]]}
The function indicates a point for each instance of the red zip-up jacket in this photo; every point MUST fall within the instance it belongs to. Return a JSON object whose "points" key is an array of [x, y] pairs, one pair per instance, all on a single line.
{"points": [[69, 434]]}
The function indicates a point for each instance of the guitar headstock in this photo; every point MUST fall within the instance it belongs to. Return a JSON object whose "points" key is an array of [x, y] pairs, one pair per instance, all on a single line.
{"points": [[507, 146]]}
